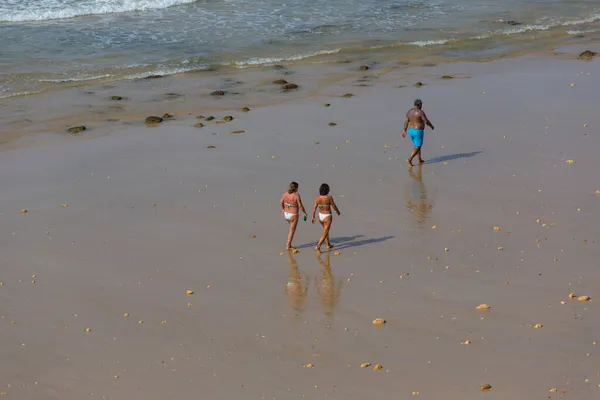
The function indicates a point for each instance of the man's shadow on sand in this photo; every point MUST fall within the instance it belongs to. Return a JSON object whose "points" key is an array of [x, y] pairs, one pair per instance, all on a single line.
{"points": [[451, 157], [346, 242]]}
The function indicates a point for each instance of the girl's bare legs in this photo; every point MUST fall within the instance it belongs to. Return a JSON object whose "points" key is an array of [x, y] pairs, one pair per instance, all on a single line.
{"points": [[325, 236], [293, 224]]}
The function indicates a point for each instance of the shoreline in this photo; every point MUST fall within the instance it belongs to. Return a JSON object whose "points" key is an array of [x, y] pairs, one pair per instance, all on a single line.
{"points": [[91, 104]]}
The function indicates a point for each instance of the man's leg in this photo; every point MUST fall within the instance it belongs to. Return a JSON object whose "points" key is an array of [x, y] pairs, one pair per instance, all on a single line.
{"points": [[420, 155], [415, 151]]}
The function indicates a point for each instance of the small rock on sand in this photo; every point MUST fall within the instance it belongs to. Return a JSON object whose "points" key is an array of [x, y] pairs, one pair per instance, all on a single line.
{"points": [[209, 118], [483, 307], [365, 365], [245, 109], [332, 124], [211, 147], [364, 68], [153, 119], [238, 132], [24, 211], [199, 125], [280, 82], [348, 95], [486, 387], [116, 98], [168, 116], [447, 77], [228, 118], [326, 105], [584, 298], [289, 86], [379, 321], [587, 55], [218, 93], [189, 292], [76, 129], [418, 84], [378, 367]]}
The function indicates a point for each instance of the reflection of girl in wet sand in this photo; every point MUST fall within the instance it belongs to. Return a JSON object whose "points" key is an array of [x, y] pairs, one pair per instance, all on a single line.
{"points": [[324, 202], [290, 201], [295, 290], [327, 290], [418, 201]]}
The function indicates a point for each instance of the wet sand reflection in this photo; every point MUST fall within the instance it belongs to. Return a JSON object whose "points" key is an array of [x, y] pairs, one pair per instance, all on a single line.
{"points": [[417, 199], [328, 291], [296, 287]]}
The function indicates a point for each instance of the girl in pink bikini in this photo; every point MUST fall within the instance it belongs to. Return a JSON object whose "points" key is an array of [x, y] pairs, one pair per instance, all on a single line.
{"points": [[290, 202]]}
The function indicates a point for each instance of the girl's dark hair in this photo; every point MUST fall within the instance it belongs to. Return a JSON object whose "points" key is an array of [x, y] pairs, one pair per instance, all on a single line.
{"points": [[324, 189], [293, 188]]}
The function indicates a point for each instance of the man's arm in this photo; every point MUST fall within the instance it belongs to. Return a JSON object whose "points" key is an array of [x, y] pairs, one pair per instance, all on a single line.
{"points": [[426, 120], [405, 126]]}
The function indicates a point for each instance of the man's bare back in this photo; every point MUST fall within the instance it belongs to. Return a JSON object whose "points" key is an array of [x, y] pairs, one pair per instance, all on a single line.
{"points": [[417, 119]]}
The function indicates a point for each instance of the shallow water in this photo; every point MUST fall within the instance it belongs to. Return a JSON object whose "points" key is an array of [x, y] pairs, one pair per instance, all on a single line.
{"points": [[50, 43]]}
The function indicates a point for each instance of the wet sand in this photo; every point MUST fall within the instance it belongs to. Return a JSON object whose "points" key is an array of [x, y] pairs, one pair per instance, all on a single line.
{"points": [[151, 212]]}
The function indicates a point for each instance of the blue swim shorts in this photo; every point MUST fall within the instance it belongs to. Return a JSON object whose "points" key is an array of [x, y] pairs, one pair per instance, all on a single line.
{"points": [[416, 135]]}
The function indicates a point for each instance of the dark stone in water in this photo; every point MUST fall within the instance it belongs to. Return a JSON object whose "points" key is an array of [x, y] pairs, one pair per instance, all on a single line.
{"points": [[218, 93], [348, 95], [419, 84], [210, 118], [168, 116], [228, 118], [513, 23], [153, 119], [211, 147], [364, 68], [76, 129], [587, 55], [116, 98], [447, 77], [280, 82], [332, 124], [199, 125], [245, 109], [289, 86], [154, 76]]}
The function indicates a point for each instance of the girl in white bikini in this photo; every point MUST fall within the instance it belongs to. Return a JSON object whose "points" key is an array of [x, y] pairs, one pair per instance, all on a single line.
{"points": [[324, 202], [290, 201]]}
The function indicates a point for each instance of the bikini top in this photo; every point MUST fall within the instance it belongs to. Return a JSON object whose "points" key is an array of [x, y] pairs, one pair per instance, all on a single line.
{"points": [[290, 205]]}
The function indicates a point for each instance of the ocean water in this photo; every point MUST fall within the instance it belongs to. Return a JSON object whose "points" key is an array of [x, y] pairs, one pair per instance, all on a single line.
{"points": [[53, 43]]}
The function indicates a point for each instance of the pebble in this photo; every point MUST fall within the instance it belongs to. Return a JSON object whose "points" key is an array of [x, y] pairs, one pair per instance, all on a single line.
{"points": [[309, 365], [24, 211], [569, 161], [486, 387], [88, 330], [337, 253], [378, 367], [483, 307], [538, 326], [416, 394], [584, 298], [496, 228], [365, 365], [126, 315], [379, 321], [189, 292]]}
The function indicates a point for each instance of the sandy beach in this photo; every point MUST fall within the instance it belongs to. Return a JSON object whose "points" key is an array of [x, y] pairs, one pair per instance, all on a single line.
{"points": [[104, 233]]}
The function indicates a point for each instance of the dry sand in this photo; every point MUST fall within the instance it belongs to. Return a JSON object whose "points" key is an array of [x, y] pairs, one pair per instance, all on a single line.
{"points": [[152, 213]]}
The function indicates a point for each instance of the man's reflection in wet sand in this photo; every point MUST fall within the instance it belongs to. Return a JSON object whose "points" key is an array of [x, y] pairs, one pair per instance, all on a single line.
{"points": [[327, 289], [296, 288], [417, 199]]}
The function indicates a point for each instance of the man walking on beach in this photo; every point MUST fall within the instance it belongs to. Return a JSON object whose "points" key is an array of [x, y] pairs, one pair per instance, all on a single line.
{"points": [[414, 125]]}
